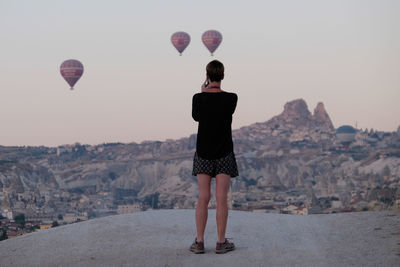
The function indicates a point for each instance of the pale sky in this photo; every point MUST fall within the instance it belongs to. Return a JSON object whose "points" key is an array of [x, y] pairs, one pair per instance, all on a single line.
{"points": [[136, 87]]}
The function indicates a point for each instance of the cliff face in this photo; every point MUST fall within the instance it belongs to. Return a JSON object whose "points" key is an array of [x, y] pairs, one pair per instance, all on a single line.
{"points": [[293, 157], [296, 114], [321, 117], [295, 125]]}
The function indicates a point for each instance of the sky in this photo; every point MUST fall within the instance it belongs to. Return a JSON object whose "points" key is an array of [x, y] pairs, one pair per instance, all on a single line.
{"points": [[136, 87]]}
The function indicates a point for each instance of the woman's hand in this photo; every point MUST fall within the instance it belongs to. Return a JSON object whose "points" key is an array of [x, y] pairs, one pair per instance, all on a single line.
{"points": [[204, 86]]}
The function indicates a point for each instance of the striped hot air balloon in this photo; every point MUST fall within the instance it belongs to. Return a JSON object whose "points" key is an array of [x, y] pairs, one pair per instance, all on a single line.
{"points": [[180, 40], [212, 39], [71, 70]]}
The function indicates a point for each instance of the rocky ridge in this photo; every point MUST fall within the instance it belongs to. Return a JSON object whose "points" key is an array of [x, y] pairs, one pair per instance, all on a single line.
{"points": [[293, 158]]}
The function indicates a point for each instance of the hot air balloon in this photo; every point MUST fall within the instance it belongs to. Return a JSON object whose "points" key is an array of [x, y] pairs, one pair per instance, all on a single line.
{"points": [[180, 40], [71, 70], [346, 135], [211, 39]]}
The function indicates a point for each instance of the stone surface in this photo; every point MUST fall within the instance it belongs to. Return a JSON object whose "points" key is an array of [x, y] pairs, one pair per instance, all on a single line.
{"points": [[321, 116], [162, 238]]}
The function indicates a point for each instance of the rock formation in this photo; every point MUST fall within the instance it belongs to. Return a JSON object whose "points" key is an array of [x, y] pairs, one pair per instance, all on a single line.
{"points": [[292, 158]]}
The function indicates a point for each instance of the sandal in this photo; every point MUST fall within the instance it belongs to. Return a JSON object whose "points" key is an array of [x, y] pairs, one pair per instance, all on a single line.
{"points": [[197, 247], [224, 247]]}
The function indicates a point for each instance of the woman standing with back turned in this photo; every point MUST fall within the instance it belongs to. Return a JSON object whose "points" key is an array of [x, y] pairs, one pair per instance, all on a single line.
{"points": [[214, 157]]}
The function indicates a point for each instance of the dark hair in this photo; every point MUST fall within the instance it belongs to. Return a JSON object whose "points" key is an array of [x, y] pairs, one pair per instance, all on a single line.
{"points": [[215, 71]]}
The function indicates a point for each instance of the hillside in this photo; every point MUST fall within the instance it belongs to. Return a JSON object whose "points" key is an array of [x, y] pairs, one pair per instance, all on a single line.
{"points": [[292, 159], [162, 238]]}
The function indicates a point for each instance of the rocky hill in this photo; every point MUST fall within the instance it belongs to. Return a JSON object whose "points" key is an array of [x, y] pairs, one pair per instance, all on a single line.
{"points": [[293, 158]]}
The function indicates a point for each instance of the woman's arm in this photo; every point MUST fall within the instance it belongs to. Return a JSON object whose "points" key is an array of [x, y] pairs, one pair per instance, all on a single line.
{"points": [[196, 107], [234, 103]]}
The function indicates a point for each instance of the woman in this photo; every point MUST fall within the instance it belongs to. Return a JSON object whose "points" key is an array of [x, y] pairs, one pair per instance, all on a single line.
{"points": [[214, 157]]}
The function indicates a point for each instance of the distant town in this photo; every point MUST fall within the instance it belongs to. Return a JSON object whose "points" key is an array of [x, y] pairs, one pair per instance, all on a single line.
{"points": [[26, 218], [296, 163]]}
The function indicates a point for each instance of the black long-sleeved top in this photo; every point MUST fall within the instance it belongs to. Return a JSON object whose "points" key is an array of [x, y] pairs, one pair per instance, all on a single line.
{"points": [[214, 113]]}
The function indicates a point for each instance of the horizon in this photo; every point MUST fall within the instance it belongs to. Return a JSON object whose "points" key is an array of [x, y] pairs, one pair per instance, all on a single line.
{"points": [[182, 137], [135, 86]]}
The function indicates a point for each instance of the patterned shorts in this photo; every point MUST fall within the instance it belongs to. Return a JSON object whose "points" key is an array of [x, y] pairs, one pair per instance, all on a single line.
{"points": [[212, 167]]}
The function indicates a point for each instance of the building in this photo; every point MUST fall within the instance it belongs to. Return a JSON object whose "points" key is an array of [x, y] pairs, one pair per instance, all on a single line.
{"points": [[292, 209], [12, 233], [38, 217], [260, 210], [45, 226], [301, 211], [7, 213], [75, 217], [289, 209], [336, 204], [122, 209]]}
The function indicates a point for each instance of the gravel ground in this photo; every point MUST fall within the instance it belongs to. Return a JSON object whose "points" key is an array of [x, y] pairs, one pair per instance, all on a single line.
{"points": [[162, 238]]}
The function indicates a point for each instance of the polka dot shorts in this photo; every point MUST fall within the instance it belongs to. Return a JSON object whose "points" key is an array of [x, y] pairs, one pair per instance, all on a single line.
{"points": [[226, 165]]}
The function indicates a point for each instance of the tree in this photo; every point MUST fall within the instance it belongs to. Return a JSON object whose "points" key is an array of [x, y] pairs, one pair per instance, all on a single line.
{"points": [[55, 224], [152, 200], [91, 214], [20, 219], [3, 235]]}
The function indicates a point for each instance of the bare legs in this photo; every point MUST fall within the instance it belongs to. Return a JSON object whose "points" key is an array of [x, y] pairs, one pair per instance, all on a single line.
{"points": [[204, 182], [221, 194], [222, 186]]}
